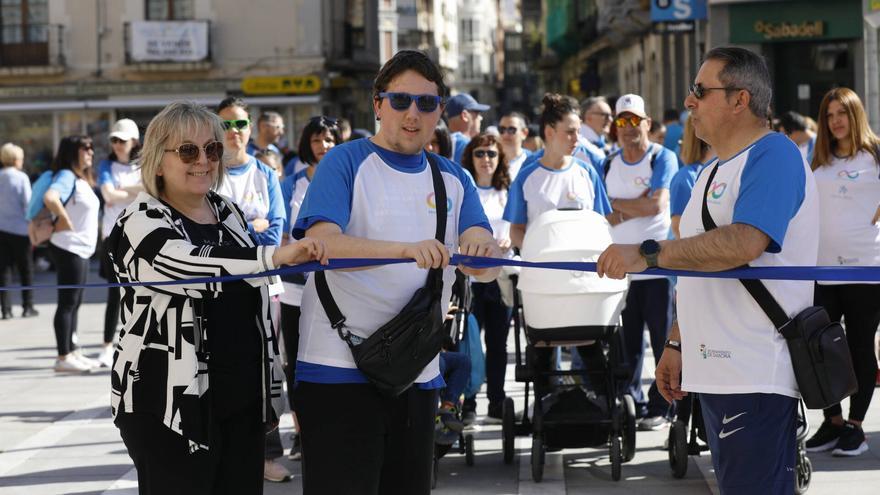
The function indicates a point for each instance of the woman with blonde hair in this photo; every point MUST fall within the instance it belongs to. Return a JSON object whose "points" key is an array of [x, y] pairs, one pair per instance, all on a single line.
{"points": [[15, 246], [845, 165], [196, 379], [695, 154]]}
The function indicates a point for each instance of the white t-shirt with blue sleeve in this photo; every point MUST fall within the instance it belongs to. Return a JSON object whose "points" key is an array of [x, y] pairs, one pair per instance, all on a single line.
{"points": [[631, 180], [254, 187], [293, 190], [82, 209], [728, 344], [681, 186], [459, 143], [374, 193], [538, 189], [120, 176], [585, 152]]}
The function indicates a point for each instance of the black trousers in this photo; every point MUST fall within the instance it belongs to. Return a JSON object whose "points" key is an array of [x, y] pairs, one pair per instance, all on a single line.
{"points": [[71, 270], [15, 252], [859, 306], [358, 442], [233, 465], [290, 333], [648, 302], [111, 311], [494, 319]]}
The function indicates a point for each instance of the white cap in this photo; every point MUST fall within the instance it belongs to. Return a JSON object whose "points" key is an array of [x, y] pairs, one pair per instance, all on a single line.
{"points": [[630, 103], [125, 129]]}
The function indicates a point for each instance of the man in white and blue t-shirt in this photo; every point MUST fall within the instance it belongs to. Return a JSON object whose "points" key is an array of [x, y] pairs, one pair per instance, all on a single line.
{"points": [[374, 198], [763, 199], [514, 130], [637, 178], [464, 117]]}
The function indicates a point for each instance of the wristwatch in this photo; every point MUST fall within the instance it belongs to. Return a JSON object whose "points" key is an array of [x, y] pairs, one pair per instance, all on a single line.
{"points": [[649, 250], [673, 344]]}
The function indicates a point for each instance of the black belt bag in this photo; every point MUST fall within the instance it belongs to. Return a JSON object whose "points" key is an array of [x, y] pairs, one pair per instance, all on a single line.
{"points": [[395, 354], [818, 348]]}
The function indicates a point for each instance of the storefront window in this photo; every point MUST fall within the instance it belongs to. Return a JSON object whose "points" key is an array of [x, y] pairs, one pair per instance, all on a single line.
{"points": [[33, 132]]}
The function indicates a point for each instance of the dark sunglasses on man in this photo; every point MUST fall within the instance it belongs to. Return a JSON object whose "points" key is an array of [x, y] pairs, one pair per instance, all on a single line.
{"points": [[508, 130], [189, 152], [699, 91], [402, 101], [237, 124]]}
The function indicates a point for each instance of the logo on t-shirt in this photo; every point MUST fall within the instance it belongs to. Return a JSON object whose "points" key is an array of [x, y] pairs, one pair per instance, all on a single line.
{"points": [[713, 353], [848, 174], [642, 181], [717, 189], [432, 205]]}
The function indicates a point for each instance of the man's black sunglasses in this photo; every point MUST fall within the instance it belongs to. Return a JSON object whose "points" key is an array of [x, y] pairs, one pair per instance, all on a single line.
{"points": [[699, 91], [402, 101]]}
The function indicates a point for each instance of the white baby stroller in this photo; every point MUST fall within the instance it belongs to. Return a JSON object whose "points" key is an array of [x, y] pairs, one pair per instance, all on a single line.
{"points": [[571, 308]]}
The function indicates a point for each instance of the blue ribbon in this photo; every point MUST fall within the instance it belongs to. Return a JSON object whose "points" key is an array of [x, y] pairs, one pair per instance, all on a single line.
{"points": [[853, 274]]}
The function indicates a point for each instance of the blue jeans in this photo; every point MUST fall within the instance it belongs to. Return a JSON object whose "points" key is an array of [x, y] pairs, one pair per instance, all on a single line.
{"points": [[494, 319], [455, 367]]}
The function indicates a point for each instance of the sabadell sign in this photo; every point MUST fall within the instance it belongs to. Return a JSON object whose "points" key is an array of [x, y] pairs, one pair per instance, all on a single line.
{"points": [[784, 30]]}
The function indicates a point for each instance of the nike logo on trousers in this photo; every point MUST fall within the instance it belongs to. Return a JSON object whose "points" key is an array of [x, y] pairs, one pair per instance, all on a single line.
{"points": [[726, 420], [724, 434]]}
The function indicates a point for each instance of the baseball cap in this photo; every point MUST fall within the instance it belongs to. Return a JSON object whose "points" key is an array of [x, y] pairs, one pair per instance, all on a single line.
{"points": [[461, 102], [125, 129], [631, 103]]}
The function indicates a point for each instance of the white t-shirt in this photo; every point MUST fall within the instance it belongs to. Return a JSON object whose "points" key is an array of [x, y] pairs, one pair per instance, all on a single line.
{"points": [[493, 201], [82, 208], [374, 193], [849, 194], [514, 165], [538, 189], [248, 187], [120, 175], [293, 292], [629, 181], [728, 344]]}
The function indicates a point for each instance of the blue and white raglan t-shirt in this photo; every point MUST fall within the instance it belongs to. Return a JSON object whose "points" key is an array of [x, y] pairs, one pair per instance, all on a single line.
{"points": [[82, 209], [120, 176], [254, 187], [514, 165], [587, 154], [253, 149], [681, 186], [293, 190], [728, 344], [459, 143], [807, 149], [849, 193], [538, 189], [374, 193], [627, 180]]}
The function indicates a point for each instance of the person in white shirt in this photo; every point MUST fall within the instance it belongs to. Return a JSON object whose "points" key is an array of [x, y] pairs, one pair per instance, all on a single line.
{"points": [[845, 165], [119, 182], [486, 161], [763, 199], [72, 243], [796, 127], [15, 245], [638, 178], [514, 130], [596, 120]]}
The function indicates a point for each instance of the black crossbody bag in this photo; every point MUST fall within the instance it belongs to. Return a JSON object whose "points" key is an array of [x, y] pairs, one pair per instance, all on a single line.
{"points": [[818, 347], [395, 354]]}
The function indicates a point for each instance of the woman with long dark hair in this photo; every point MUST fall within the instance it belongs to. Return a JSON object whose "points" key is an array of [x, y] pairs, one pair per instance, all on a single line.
{"points": [[845, 165]]}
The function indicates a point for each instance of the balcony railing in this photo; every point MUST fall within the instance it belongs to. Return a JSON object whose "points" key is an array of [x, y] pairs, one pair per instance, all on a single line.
{"points": [[31, 45], [163, 42]]}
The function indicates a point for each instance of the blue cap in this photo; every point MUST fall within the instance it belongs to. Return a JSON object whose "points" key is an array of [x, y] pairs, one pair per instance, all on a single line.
{"points": [[461, 102]]}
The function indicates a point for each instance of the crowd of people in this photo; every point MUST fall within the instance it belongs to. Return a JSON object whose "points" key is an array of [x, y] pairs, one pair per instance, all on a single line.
{"points": [[198, 370]]}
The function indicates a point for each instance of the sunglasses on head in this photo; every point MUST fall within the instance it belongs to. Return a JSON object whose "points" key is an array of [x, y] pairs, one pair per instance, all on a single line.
{"points": [[402, 101], [189, 152], [485, 153], [508, 130], [237, 124], [699, 91], [325, 121], [634, 121]]}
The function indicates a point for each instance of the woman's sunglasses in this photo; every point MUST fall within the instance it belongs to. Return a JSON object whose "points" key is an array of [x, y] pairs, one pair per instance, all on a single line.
{"points": [[634, 121], [116, 140], [189, 152], [485, 153], [237, 124], [86, 147], [402, 101]]}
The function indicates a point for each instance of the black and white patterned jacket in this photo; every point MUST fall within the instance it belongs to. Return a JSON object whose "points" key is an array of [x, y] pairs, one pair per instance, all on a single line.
{"points": [[148, 245]]}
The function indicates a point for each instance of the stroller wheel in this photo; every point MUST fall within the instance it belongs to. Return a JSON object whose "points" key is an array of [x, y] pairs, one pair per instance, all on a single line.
{"points": [[678, 449], [508, 425], [537, 459], [435, 469], [616, 457], [469, 449], [629, 428], [804, 474]]}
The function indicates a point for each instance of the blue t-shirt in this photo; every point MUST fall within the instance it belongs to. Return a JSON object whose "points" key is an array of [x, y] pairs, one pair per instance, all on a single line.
{"points": [[374, 193], [674, 132], [681, 186], [253, 149], [459, 143]]}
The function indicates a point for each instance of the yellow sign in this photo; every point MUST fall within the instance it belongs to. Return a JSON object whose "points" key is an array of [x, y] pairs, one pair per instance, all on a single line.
{"points": [[281, 85], [781, 30], [875, 5]]}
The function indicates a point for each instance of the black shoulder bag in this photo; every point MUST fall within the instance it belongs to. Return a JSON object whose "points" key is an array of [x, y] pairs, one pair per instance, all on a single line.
{"points": [[395, 354], [818, 347]]}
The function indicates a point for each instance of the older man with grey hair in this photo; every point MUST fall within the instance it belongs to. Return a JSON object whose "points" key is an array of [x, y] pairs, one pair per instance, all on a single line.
{"points": [[762, 208], [596, 119]]}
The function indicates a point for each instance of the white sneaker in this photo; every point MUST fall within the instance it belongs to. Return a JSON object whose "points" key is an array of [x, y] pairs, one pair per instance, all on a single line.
{"points": [[71, 365], [79, 356], [273, 471], [105, 357]]}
